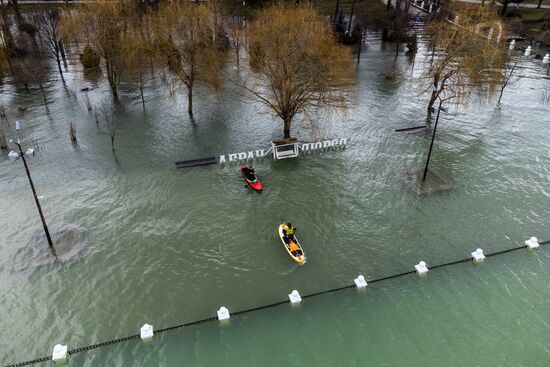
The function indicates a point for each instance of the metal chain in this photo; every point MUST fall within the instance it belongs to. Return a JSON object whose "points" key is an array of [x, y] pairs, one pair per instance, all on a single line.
{"points": [[275, 304]]}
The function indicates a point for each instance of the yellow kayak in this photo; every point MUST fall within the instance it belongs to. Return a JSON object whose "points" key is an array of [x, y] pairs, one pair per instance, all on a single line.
{"points": [[293, 248]]}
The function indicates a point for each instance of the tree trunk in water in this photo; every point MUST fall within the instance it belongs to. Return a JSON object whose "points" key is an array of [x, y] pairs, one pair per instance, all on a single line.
{"points": [[7, 38], [43, 95], [59, 66], [190, 100], [350, 17], [385, 34], [501, 92], [3, 141], [504, 8], [286, 129], [336, 11], [63, 56], [113, 88], [10, 66], [436, 90], [397, 45], [111, 77], [359, 50], [142, 99], [540, 4], [18, 17], [432, 101]]}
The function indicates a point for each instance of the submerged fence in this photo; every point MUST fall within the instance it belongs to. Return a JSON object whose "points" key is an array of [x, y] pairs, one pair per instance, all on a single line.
{"points": [[275, 304]]}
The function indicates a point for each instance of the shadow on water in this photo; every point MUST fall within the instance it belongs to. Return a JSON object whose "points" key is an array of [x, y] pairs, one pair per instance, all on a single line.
{"points": [[69, 243]]}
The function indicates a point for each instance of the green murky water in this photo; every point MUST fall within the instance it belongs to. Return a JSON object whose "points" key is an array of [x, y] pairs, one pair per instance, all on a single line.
{"points": [[166, 247]]}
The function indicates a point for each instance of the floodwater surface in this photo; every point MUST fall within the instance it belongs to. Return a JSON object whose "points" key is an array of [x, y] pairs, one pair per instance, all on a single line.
{"points": [[143, 243]]}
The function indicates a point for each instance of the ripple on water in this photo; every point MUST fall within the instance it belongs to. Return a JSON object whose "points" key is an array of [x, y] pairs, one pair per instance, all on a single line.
{"points": [[170, 247], [35, 255]]}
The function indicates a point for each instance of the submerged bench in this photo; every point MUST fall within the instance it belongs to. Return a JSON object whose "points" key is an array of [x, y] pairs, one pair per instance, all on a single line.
{"points": [[196, 162]]}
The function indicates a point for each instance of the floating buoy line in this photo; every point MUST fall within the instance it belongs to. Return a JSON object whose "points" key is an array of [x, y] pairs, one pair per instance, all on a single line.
{"points": [[61, 352]]}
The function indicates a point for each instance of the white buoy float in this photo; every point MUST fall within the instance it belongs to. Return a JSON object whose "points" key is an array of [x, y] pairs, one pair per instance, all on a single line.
{"points": [[360, 281], [532, 243], [512, 45], [223, 314], [478, 255], [421, 268], [59, 354], [295, 297], [527, 51], [146, 332], [546, 59]]}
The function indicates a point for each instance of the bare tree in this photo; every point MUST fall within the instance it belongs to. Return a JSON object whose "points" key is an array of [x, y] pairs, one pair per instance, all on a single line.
{"points": [[462, 50], [32, 67], [138, 60], [72, 130], [87, 101], [3, 140], [185, 36], [509, 74], [399, 23], [49, 34], [3, 116], [6, 38], [236, 32], [299, 64], [102, 26], [105, 118]]}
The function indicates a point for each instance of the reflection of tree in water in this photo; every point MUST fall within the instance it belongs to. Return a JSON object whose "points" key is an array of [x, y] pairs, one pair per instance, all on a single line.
{"points": [[92, 75], [393, 79], [69, 242]]}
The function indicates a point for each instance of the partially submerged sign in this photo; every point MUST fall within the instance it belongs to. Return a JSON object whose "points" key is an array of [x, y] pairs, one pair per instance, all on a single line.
{"points": [[324, 144], [231, 157], [280, 149], [279, 153]]}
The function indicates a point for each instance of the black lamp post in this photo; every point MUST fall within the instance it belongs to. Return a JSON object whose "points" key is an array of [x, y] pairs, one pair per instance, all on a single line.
{"points": [[30, 153], [433, 135]]}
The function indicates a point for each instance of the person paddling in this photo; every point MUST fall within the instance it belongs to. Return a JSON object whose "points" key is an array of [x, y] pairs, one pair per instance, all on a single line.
{"points": [[288, 231], [252, 174], [249, 173]]}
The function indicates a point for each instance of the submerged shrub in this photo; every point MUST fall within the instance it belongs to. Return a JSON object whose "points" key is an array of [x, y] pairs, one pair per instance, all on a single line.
{"points": [[89, 58]]}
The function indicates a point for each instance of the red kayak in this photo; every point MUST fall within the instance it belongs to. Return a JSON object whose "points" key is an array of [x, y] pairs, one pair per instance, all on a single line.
{"points": [[250, 178]]}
